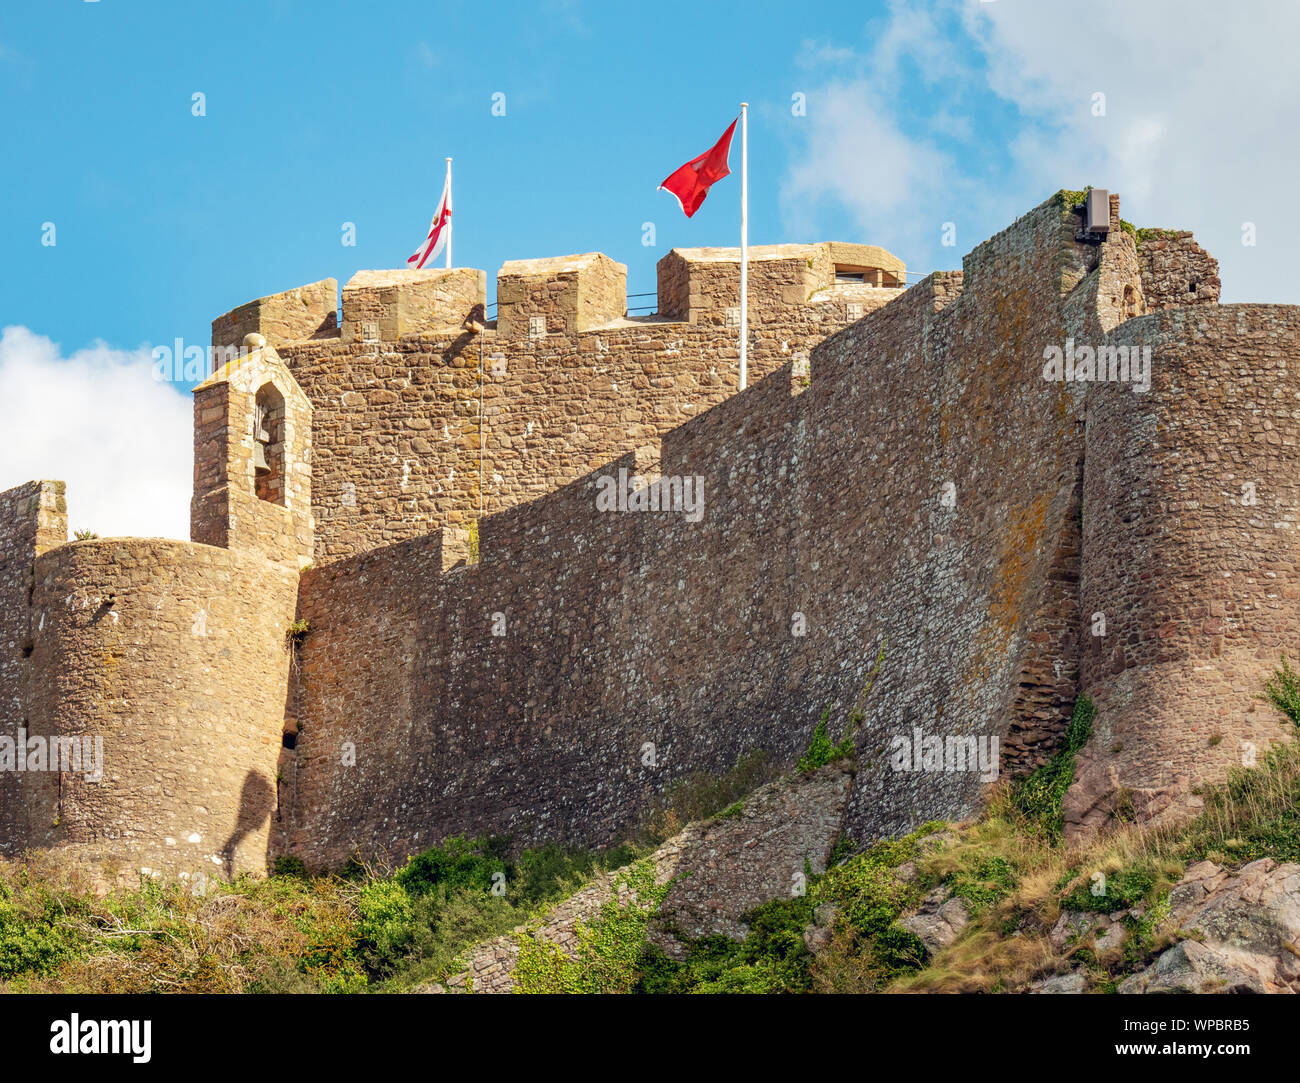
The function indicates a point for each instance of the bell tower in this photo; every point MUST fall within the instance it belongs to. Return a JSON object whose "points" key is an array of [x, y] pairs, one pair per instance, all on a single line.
{"points": [[252, 458]]}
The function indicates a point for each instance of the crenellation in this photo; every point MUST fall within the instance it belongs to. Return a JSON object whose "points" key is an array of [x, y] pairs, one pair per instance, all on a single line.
{"points": [[384, 306], [702, 285], [1176, 271], [563, 295], [407, 437], [306, 312]]}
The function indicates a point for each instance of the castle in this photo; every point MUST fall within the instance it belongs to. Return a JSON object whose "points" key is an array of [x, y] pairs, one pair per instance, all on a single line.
{"points": [[404, 613]]}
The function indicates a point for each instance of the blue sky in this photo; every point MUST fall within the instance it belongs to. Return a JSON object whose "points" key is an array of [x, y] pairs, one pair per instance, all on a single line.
{"points": [[321, 113]]}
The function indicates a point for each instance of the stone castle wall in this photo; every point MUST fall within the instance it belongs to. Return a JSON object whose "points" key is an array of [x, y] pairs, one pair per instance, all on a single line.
{"points": [[1176, 271], [174, 654], [406, 438], [823, 508], [899, 475], [1192, 506], [33, 518]]}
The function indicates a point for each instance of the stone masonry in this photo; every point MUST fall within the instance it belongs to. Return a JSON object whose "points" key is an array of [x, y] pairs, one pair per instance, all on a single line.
{"points": [[406, 612]]}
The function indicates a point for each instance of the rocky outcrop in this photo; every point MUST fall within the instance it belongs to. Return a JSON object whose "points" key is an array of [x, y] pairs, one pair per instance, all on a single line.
{"points": [[1242, 933], [1102, 933], [1096, 796]]}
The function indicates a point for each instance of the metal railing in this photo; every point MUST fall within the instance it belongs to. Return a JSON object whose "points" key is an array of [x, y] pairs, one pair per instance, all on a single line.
{"points": [[643, 310]]}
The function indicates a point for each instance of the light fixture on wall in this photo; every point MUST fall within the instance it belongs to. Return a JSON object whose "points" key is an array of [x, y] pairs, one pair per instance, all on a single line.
{"points": [[1096, 216]]}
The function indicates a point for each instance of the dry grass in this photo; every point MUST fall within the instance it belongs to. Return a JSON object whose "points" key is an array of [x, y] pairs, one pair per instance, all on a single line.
{"points": [[241, 937], [1006, 947], [984, 962]]}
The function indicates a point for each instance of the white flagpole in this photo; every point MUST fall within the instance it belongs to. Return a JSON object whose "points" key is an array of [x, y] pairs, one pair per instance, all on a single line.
{"points": [[449, 224], [744, 244]]}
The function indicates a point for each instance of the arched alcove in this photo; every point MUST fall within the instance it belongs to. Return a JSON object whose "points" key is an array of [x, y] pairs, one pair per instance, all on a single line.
{"points": [[268, 445], [1132, 307]]}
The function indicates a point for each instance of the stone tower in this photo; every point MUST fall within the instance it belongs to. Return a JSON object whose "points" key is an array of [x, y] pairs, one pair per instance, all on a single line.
{"points": [[252, 458]]}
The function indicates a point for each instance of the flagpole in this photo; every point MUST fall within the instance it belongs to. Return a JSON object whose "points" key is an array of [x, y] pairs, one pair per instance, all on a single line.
{"points": [[744, 244], [449, 226]]}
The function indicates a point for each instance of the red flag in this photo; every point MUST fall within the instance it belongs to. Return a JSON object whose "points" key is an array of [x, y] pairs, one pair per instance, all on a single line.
{"points": [[691, 183]]}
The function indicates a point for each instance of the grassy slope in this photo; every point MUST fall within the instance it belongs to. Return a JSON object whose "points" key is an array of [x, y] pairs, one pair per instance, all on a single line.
{"points": [[377, 931]]}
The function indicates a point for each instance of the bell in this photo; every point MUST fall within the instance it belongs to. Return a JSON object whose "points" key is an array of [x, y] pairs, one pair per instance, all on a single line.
{"points": [[259, 458], [261, 431]]}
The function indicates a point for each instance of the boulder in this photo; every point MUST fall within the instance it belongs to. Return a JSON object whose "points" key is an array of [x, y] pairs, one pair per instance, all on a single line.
{"points": [[1241, 932], [1190, 967], [939, 921], [1069, 927], [1073, 982]]}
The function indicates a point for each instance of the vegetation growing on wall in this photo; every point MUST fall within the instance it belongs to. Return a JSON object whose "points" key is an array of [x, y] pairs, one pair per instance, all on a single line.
{"points": [[700, 795], [1150, 234], [607, 957], [1037, 797], [367, 929]]}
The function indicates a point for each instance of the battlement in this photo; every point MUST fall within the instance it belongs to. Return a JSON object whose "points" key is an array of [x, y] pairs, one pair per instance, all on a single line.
{"points": [[400, 545], [561, 295], [702, 285], [291, 316], [430, 415], [571, 295], [384, 306]]}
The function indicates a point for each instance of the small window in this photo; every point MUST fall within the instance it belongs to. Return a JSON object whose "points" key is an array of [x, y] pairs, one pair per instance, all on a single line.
{"points": [[862, 276]]}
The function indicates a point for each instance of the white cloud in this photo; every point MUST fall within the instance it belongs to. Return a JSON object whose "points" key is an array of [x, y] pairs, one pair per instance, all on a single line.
{"points": [[858, 157], [1200, 105], [870, 153], [1200, 101], [99, 421]]}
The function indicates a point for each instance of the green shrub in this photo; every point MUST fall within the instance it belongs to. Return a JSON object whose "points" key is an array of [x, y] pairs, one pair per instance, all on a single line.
{"points": [[869, 899], [1037, 797], [821, 751], [457, 863], [1124, 889], [386, 923], [287, 865], [988, 882], [1283, 689], [609, 951], [551, 871], [771, 959], [33, 942]]}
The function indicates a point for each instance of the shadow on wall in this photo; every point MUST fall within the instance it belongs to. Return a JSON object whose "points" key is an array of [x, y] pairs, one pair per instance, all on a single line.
{"points": [[256, 803]]}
